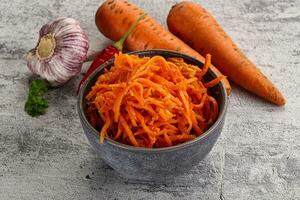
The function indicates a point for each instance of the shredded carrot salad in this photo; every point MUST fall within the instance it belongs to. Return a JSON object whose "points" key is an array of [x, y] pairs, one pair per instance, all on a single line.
{"points": [[152, 102]]}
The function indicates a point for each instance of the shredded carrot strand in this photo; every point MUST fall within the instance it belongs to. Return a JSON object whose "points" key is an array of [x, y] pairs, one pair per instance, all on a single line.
{"points": [[131, 115], [214, 82], [104, 129], [167, 140], [206, 64], [128, 132], [119, 132]]}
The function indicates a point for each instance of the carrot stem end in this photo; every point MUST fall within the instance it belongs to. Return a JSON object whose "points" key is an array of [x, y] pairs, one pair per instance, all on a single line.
{"points": [[119, 44]]}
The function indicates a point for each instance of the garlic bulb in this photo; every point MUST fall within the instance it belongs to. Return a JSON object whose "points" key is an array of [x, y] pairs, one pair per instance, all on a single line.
{"points": [[61, 50]]}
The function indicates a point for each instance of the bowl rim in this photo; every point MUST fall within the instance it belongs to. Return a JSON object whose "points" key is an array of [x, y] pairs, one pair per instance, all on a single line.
{"points": [[144, 149]]}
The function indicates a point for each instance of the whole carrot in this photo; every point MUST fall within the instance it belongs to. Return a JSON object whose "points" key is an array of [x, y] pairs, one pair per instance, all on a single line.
{"points": [[115, 16], [109, 52], [195, 26]]}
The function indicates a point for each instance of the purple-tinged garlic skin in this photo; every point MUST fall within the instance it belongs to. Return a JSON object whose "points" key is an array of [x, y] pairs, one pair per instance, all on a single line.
{"points": [[60, 52]]}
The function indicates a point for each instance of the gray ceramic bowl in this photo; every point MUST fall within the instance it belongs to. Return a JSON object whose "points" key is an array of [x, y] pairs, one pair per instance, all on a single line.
{"points": [[154, 164]]}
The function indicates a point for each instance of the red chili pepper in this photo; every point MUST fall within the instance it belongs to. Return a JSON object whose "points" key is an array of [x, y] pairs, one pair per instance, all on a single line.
{"points": [[109, 52]]}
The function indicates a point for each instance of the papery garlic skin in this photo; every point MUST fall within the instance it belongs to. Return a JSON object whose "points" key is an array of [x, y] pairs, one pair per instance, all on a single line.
{"points": [[60, 52]]}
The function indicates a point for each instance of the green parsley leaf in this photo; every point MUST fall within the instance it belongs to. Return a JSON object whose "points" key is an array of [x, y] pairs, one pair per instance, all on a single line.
{"points": [[36, 105]]}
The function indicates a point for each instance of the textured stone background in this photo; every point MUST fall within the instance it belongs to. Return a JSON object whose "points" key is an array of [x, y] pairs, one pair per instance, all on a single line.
{"points": [[257, 156]]}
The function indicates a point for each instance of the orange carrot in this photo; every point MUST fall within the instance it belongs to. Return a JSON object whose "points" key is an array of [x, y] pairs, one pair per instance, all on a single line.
{"points": [[114, 17], [195, 26]]}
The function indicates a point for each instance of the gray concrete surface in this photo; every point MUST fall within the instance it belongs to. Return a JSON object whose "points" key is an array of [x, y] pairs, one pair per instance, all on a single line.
{"points": [[257, 156]]}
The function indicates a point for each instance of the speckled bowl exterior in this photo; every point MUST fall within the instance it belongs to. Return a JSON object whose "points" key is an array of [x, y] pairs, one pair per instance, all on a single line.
{"points": [[154, 164]]}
